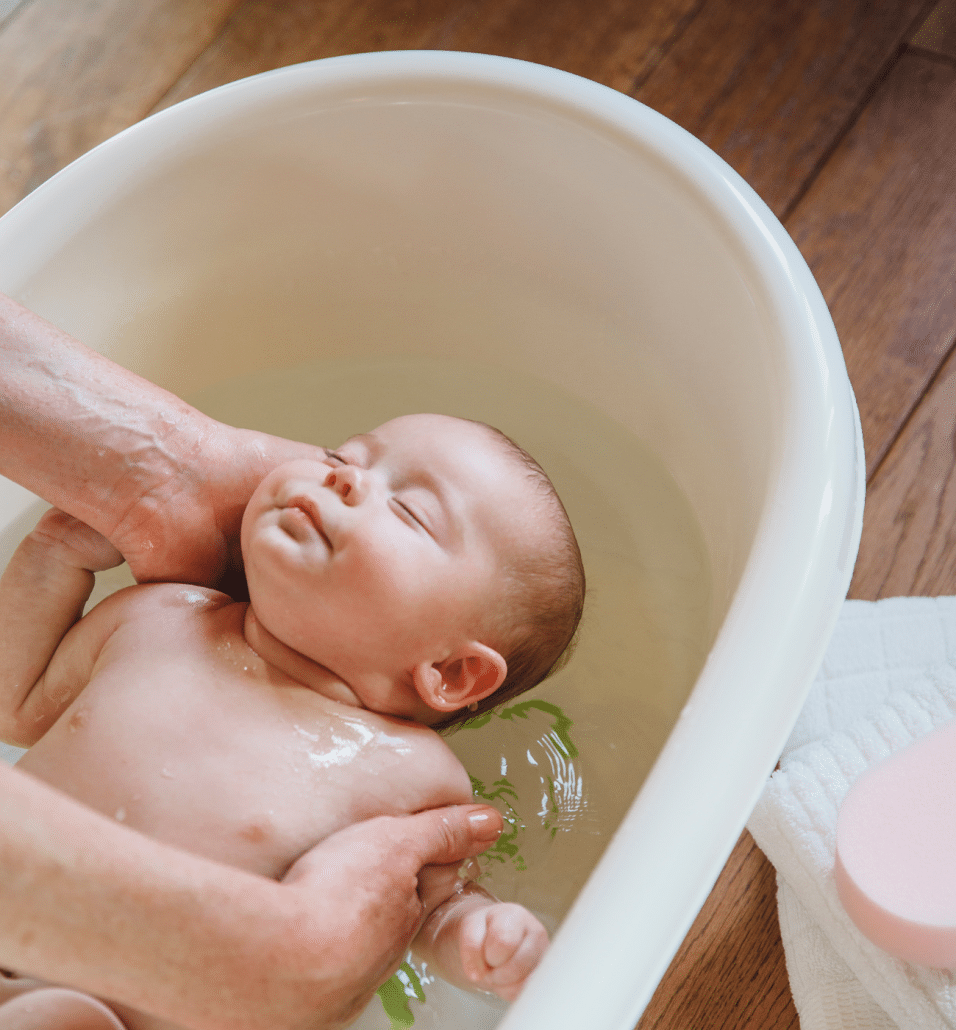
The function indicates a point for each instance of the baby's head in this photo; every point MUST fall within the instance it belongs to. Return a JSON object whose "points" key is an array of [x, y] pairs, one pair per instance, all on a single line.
{"points": [[428, 564]]}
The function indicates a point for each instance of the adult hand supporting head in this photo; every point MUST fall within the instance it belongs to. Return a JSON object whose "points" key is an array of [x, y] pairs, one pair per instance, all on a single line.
{"points": [[395, 871], [164, 483], [186, 504]]}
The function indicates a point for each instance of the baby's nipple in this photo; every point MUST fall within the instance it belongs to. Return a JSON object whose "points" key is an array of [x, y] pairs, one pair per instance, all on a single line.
{"points": [[77, 720]]}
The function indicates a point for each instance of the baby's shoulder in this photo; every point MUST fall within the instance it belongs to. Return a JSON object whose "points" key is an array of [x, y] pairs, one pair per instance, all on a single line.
{"points": [[144, 596], [155, 604], [437, 765]]}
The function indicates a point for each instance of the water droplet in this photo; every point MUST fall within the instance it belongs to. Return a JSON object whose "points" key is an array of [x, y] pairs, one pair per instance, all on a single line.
{"points": [[164, 772]]}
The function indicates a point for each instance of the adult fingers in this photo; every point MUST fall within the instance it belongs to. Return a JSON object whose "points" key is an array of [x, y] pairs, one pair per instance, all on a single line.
{"points": [[447, 836], [437, 883], [440, 840]]}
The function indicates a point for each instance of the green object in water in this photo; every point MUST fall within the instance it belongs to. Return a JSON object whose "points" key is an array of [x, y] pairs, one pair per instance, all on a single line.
{"points": [[502, 790], [560, 727], [396, 993]]}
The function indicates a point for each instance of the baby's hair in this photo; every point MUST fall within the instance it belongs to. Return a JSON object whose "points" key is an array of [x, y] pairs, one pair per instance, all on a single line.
{"points": [[541, 599]]}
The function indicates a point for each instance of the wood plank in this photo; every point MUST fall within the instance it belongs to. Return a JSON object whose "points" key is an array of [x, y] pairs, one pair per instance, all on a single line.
{"points": [[909, 524], [761, 96], [938, 33], [772, 86], [878, 229], [268, 34], [616, 42], [77, 71], [730, 972]]}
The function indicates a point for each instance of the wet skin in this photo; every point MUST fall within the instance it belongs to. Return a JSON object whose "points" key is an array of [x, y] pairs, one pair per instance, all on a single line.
{"points": [[248, 733]]}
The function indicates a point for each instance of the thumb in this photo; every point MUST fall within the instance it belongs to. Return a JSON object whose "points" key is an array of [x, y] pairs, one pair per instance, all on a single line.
{"points": [[440, 839], [442, 836]]}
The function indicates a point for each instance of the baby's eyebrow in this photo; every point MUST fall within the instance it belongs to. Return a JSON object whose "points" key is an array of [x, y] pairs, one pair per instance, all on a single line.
{"points": [[366, 440]]}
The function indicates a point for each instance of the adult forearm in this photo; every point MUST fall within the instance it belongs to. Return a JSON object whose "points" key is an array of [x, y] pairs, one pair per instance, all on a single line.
{"points": [[164, 483], [83, 433], [88, 903]]}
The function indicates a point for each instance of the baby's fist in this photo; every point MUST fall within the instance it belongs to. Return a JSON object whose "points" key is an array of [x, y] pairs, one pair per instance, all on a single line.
{"points": [[501, 945], [75, 543]]}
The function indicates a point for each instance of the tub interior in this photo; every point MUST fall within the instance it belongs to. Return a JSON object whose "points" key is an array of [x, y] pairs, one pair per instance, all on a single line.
{"points": [[311, 266]]}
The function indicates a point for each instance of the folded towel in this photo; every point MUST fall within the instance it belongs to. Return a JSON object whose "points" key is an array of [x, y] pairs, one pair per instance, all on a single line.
{"points": [[889, 677]]}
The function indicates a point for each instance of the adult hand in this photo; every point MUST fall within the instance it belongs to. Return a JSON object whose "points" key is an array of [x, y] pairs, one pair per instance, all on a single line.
{"points": [[164, 483], [396, 871], [87, 902], [185, 498]]}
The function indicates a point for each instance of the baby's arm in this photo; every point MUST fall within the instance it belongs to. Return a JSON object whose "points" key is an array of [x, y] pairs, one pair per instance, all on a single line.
{"points": [[42, 593], [476, 941]]}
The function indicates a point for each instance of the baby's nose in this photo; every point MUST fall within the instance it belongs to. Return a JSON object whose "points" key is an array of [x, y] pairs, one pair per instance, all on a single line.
{"points": [[349, 483]]}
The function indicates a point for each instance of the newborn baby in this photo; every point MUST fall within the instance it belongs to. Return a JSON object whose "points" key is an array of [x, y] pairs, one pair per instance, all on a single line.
{"points": [[423, 572]]}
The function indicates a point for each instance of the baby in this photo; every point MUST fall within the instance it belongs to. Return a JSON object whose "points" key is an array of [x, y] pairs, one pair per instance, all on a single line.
{"points": [[422, 573]]}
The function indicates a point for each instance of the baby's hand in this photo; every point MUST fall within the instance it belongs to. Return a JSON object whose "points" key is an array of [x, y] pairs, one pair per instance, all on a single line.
{"points": [[75, 543], [501, 945]]}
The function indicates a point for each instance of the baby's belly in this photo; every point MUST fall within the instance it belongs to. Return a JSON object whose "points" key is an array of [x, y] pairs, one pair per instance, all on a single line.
{"points": [[254, 786]]}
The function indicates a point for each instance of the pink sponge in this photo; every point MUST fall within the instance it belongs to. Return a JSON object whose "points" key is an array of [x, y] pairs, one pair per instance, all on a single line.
{"points": [[896, 852]]}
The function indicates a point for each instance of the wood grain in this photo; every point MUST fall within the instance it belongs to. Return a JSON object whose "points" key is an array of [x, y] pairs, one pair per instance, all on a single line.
{"points": [[772, 86], [938, 33], [78, 71], [616, 42], [267, 34], [735, 941], [878, 229], [845, 131], [909, 525]]}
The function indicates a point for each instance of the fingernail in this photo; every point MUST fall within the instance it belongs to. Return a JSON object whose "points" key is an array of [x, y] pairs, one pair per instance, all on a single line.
{"points": [[485, 824]]}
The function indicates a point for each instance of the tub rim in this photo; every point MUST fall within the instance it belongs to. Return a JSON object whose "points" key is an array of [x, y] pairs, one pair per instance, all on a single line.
{"points": [[773, 592]]}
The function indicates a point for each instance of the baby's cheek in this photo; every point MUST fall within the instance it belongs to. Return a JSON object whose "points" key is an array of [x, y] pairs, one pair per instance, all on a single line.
{"points": [[388, 571]]}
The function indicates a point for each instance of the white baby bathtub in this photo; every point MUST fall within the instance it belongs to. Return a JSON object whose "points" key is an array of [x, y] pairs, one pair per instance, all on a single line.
{"points": [[403, 194]]}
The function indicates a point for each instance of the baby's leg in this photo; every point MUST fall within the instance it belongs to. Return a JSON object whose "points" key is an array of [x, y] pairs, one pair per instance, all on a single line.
{"points": [[52, 1008]]}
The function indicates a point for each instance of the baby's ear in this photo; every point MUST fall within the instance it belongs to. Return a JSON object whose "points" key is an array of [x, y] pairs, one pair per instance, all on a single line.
{"points": [[470, 674]]}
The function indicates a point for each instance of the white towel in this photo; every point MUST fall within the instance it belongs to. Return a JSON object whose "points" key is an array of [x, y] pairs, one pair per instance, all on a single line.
{"points": [[888, 678]]}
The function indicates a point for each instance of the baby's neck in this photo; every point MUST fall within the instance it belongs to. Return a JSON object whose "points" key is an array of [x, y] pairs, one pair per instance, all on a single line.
{"points": [[295, 665]]}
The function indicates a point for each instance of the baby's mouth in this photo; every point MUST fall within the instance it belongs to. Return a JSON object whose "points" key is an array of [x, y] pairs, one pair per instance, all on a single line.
{"points": [[301, 515]]}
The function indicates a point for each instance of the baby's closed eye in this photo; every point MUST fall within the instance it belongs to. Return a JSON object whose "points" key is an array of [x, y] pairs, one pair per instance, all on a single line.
{"points": [[408, 514]]}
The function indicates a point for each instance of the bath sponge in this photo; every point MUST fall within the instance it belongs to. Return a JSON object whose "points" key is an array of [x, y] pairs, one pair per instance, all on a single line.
{"points": [[895, 866]]}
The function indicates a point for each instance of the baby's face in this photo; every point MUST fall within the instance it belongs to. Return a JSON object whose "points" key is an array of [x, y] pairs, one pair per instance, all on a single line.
{"points": [[387, 551]]}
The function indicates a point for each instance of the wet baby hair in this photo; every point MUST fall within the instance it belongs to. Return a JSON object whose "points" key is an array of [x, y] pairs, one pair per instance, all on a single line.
{"points": [[542, 597]]}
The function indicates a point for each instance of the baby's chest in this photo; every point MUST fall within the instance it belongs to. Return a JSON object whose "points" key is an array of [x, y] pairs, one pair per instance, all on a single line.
{"points": [[229, 765]]}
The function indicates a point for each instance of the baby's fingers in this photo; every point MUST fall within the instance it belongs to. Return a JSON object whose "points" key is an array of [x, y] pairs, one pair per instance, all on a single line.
{"points": [[474, 930], [76, 543], [502, 945], [511, 936]]}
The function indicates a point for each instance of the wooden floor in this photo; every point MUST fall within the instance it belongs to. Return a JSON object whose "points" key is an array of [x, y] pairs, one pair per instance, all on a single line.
{"points": [[842, 115]]}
